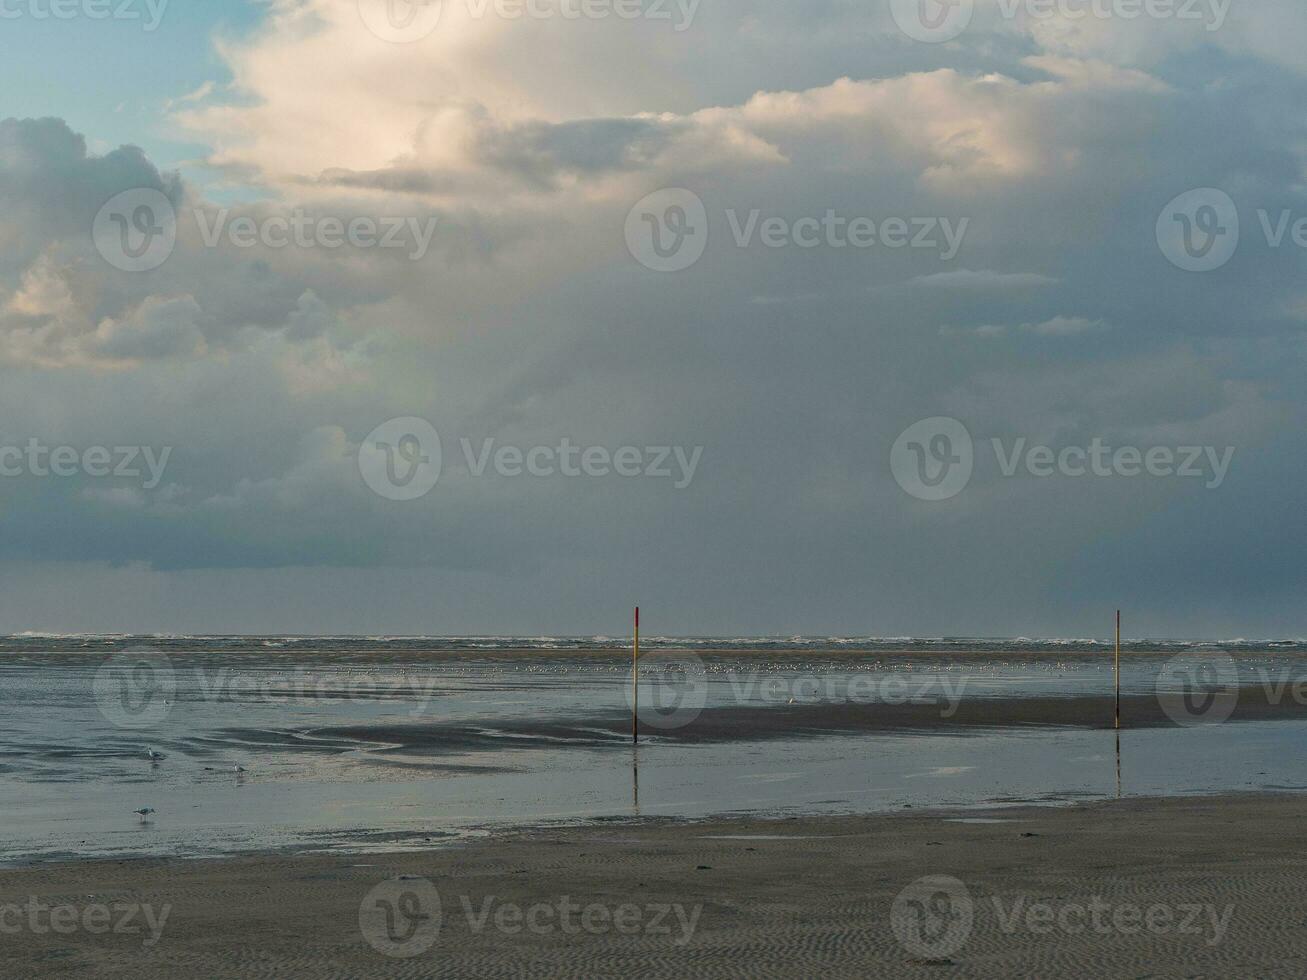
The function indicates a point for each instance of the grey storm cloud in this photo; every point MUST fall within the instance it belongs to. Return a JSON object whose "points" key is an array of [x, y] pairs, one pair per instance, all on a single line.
{"points": [[542, 152], [51, 187], [528, 322]]}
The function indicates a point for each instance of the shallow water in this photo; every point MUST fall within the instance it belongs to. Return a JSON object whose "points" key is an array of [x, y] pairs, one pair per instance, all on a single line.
{"points": [[361, 744]]}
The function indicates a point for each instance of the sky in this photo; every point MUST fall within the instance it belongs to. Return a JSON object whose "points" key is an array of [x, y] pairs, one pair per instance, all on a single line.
{"points": [[891, 317]]}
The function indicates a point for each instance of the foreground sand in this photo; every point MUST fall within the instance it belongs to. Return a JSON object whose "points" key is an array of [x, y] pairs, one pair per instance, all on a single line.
{"points": [[1192, 887]]}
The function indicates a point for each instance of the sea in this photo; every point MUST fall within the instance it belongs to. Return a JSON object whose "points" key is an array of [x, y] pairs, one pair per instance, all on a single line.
{"points": [[240, 744]]}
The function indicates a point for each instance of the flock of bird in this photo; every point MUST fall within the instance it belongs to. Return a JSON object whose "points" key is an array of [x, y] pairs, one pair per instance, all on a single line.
{"points": [[155, 757]]}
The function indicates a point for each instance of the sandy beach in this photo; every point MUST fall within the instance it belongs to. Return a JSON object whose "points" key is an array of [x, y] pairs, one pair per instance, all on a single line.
{"points": [[1176, 887], [448, 813]]}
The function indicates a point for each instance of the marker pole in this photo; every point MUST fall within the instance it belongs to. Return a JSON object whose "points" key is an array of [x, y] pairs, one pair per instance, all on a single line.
{"points": [[635, 682], [1118, 670]]}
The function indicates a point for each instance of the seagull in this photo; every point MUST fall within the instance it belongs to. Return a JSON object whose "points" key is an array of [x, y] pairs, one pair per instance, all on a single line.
{"points": [[144, 812], [238, 768], [154, 755]]}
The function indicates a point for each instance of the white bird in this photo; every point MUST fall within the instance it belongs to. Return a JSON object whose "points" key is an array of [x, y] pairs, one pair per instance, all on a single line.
{"points": [[154, 755], [144, 812], [237, 768]]}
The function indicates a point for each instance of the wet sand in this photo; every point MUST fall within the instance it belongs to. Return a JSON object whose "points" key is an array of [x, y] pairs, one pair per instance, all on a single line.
{"points": [[748, 722], [1173, 887]]}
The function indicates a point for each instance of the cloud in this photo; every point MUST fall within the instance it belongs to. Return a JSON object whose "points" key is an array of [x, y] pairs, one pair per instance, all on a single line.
{"points": [[982, 279], [528, 321], [63, 305], [199, 94], [49, 184], [1058, 326], [1065, 326], [155, 329], [445, 117], [1099, 76]]}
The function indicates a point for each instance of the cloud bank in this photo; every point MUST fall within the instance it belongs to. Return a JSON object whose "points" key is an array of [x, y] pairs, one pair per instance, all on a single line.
{"points": [[524, 144]]}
